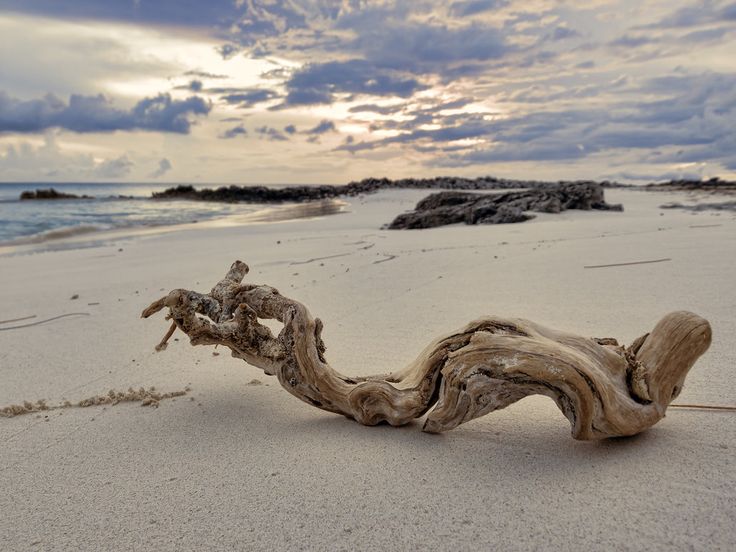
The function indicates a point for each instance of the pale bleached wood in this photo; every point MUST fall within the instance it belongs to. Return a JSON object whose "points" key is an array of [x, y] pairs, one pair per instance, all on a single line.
{"points": [[604, 389]]}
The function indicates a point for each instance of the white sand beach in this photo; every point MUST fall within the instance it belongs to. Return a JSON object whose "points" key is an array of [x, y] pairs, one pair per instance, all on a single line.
{"points": [[238, 463]]}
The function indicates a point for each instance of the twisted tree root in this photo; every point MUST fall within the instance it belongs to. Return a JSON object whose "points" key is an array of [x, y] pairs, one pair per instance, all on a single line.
{"points": [[604, 389]]}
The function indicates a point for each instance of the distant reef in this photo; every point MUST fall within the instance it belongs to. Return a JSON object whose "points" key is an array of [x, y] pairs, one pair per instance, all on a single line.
{"points": [[714, 185], [263, 194], [50, 193], [723, 206], [451, 207]]}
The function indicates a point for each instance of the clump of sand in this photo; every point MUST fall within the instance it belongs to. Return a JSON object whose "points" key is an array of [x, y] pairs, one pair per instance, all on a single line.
{"points": [[147, 397]]}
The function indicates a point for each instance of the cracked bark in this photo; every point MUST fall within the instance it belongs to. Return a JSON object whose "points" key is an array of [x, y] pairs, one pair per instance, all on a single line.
{"points": [[604, 389]]}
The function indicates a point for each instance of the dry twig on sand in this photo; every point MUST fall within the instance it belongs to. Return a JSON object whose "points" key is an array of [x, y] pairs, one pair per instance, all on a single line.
{"points": [[629, 263], [40, 321]]}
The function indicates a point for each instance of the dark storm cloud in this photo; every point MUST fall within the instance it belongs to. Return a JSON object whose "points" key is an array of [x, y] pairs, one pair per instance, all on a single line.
{"points": [[96, 114]]}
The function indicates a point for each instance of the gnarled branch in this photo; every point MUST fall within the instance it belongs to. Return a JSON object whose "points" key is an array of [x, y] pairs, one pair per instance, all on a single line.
{"points": [[604, 389]]}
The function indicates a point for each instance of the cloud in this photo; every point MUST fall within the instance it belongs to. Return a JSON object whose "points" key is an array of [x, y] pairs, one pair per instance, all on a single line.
{"points": [[320, 82], [233, 132], [561, 33], [204, 75], [467, 8], [25, 161], [373, 108], [290, 129], [245, 97], [164, 166], [114, 168], [729, 12], [161, 12], [270, 133], [629, 41], [705, 35], [96, 114], [693, 112], [425, 49], [228, 51], [707, 11], [322, 127], [537, 152]]}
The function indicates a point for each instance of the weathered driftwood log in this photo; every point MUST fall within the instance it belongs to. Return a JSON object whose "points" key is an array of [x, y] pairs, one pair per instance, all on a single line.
{"points": [[604, 389]]}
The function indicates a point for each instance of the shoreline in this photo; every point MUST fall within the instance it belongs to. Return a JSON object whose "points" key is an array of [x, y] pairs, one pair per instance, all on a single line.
{"points": [[71, 237], [84, 236], [276, 197]]}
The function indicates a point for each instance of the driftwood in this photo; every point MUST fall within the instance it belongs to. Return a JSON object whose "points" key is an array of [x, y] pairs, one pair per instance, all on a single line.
{"points": [[604, 389]]}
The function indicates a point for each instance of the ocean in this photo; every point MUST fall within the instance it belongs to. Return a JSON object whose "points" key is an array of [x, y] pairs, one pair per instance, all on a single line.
{"points": [[116, 207]]}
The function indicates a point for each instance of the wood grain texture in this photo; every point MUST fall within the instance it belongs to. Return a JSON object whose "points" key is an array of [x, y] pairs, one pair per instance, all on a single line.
{"points": [[604, 389]]}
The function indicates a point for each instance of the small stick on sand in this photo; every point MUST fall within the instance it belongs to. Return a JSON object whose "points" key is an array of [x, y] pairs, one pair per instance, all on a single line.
{"points": [[388, 258], [44, 321], [705, 407], [17, 319], [628, 264], [164, 342]]}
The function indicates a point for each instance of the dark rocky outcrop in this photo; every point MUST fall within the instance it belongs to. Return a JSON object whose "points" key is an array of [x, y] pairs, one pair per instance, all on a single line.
{"points": [[251, 194], [263, 194], [723, 206], [715, 185], [50, 193], [452, 207]]}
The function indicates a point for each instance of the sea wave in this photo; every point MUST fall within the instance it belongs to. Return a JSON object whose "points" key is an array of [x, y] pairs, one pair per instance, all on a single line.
{"points": [[122, 224], [56, 234]]}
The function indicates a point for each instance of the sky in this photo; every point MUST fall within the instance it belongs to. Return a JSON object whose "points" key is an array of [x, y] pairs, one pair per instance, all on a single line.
{"points": [[329, 91]]}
